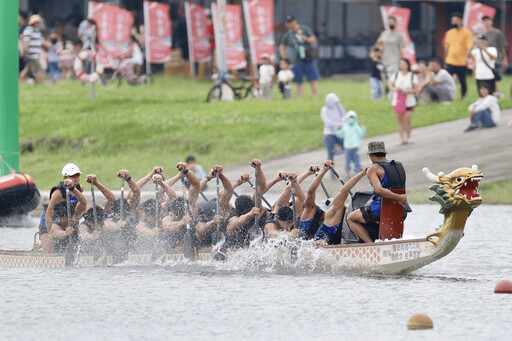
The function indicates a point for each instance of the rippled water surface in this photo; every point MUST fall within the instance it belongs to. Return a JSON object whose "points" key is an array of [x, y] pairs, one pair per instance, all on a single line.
{"points": [[239, 301]]}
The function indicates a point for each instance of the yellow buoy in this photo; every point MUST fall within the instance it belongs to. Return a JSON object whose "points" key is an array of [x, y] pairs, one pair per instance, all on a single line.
{"points": [[420, 321]]}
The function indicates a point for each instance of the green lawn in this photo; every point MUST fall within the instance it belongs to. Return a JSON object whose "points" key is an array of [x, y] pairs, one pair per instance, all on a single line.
{"points": [[138, 127]]}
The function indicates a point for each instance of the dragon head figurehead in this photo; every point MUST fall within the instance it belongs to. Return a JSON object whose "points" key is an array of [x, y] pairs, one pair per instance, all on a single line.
{"points": [[457, 190]]}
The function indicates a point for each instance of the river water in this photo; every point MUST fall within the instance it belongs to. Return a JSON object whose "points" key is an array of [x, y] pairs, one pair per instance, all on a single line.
{"points": [[235, 300]]}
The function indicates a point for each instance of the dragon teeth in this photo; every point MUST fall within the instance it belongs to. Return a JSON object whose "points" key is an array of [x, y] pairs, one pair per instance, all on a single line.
{"points": [[457, 191]]}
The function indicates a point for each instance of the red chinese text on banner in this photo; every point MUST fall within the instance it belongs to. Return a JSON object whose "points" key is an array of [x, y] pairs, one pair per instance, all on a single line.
{"points": [[158, 32], [235, 53], [259, 20], [198, 42], [114, 25]]}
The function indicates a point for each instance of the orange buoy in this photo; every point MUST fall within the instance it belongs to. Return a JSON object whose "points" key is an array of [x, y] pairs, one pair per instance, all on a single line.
{"points": [[503, 287], [420, 321]]}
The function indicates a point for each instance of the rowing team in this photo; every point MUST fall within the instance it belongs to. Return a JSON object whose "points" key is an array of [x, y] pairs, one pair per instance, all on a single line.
{"points": [[170, 222]]}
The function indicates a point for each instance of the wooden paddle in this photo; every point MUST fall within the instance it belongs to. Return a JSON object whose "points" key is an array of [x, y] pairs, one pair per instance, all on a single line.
{"points": [[70, 254], [218, 238], [294, 250], [262, 197], [121, 203], [188, 244], [323, 187], [255, 233]]}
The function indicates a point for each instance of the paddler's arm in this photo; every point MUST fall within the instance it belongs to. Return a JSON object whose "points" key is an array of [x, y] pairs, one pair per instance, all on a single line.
{"points": [[311, 170], [110, 225], [91, 178], [85, 234], [226, 193], [170, 194], [284, 198], [56, 197], [383, 192], [194, 190], [59, 233], [281, 175], [81, 206], [299, 194], [145, 232], [235, 223], [143, 181], [310, 202], [271, 231], [134, 198], [168, 225], [203, 228], [262, 182]]}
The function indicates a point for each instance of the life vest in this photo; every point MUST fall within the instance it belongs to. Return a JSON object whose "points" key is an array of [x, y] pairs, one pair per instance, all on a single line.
{"points": [[394, 178], [72, 199]]}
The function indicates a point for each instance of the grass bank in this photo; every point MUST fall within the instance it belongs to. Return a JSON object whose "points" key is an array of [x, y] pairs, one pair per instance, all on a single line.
{"points": [[138, 127]]}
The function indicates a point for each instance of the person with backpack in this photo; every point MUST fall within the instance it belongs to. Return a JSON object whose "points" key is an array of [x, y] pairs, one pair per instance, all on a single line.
{"points": [[484, 57], [404, 86], [297, 46]]}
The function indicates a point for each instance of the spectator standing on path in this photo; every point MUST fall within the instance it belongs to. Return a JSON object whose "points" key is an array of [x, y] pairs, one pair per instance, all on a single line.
{"points": [[484, 113], [376, 73], [392, 44], [352, 135], [439, 84], [83, 33], [195, 168], [333, 115], [296, 45], [458, 41], [32, 45], [484, 57], [404, 87], [497, 39]]}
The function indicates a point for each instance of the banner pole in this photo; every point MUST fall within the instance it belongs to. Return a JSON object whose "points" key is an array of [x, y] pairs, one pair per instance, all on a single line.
{"points": [[9, 115], [190, 40], [146, 35]]}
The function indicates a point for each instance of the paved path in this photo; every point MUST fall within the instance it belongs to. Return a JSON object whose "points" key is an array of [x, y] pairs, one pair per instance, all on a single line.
{"points": [[441, 147]]}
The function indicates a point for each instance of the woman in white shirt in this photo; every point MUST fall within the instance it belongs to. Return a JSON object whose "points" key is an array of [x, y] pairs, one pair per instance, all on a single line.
{"points": [[404, 83], [485, 112], [484, 58]]}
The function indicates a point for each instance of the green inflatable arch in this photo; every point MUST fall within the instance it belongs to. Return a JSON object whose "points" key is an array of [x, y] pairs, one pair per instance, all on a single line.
{"points": [[9, 144]]}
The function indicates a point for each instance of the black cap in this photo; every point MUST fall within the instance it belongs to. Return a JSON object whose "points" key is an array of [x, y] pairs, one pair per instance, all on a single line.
{"points": [[487, 17], [481, 37], [290, 18]]}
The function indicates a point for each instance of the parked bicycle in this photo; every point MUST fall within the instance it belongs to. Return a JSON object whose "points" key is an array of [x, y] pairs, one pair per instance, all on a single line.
{"points": [[241, 91]]}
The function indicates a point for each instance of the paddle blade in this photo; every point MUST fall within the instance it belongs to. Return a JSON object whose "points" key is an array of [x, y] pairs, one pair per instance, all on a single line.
{"points": [[255, 236], [217, 248], [188, 246]]}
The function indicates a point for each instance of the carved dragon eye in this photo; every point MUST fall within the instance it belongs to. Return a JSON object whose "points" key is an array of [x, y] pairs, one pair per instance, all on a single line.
{"points": [[459, 179]]}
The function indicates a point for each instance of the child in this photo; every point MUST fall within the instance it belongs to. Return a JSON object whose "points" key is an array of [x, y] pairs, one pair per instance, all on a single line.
{"points": [[66, 57], [267, 75], [352, 135], [375, 77], [285, 78]]}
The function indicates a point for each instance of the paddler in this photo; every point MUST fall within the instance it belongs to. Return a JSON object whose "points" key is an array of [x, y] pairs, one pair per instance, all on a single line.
{"points": [[331, 226], [72, 173], [384, 174]]}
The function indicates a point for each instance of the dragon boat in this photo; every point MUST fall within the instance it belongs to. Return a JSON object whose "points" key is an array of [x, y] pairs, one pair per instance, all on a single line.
{"points": [[457, 193]]}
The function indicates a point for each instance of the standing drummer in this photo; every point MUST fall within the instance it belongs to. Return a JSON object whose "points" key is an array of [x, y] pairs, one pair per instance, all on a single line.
{"points": [[71, 174]]}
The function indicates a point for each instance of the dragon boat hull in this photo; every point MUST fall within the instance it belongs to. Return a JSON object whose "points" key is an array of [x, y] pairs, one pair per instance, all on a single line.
{"points": [[396, 257]]}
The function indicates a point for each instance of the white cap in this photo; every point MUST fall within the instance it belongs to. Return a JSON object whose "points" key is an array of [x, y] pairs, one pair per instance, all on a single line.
{"points": [[70, 169], [325, 205]]}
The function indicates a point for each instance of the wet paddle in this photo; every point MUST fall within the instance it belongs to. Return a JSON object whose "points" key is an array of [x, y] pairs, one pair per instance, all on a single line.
{"points": [[255, 233], [262, 197], [203, 196], [339, 178], [294, 209], [188, 245], [218, 238], [94, 207], [70, 254], [323, 187], [121, 203], [98, 251]]}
